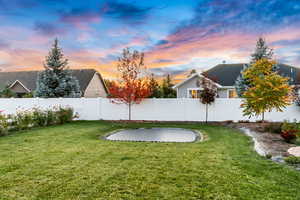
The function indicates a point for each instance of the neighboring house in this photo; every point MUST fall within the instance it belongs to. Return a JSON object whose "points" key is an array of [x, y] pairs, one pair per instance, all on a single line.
{"points": [[224, 76], [23, 82]]}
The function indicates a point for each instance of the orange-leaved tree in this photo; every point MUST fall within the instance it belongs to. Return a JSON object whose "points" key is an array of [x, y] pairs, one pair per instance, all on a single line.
{"points": [[133, 86], [268, 90]]}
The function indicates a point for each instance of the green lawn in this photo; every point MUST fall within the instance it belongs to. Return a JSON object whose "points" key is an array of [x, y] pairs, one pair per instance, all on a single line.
{"points": [[70, 162]]}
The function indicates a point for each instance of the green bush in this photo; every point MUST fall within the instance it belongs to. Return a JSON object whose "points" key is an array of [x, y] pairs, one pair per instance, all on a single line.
{"points": [[287, 126], [51, 117], [64, 115], [293, 160], [35, 118], [23, 120], [40, 117], [3, 125]]}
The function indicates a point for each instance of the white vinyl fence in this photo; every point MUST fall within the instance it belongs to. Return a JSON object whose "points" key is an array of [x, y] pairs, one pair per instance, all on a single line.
{"points": [[150, 109]]}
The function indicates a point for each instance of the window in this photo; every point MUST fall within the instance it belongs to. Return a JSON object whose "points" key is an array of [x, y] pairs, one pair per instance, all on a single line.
{"points": [[232, 93], [194, 93]]}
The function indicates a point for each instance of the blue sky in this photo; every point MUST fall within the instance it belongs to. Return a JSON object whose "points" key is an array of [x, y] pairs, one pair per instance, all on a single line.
{"points": [[176, 36]]}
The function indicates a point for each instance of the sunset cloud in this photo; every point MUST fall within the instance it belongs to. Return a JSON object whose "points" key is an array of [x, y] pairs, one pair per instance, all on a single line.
{"points": [[176, 37]]}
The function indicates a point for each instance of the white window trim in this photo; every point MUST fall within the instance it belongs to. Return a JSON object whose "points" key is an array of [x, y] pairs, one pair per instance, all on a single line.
{"points": [[189, 89]]}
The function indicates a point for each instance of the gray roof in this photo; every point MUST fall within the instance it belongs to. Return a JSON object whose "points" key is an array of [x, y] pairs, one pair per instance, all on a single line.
{"points": [[226, 74], [29, 78]]}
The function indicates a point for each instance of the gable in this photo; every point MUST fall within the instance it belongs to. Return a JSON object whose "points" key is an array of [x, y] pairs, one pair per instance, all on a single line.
{"points": [[96, 87], [18, 87], [190, 83]]}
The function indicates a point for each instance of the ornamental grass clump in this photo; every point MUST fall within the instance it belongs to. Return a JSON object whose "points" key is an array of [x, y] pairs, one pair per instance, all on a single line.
{"points": [[292, 160]]}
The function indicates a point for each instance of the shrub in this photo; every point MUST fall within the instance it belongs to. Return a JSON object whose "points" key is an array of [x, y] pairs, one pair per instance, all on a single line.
{"points": [[289, 131], [39, 117], [35, 118], [292, 160], [23, 120], [3, 125], [51, 117], [289, 136], [64, 115]]}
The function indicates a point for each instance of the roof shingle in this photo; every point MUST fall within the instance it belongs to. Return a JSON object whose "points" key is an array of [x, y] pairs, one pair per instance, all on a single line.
{"points": [[226, 74]]}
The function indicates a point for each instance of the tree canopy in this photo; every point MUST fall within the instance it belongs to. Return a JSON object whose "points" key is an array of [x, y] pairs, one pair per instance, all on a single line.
{"points": [[268, 89], [56, 80]]}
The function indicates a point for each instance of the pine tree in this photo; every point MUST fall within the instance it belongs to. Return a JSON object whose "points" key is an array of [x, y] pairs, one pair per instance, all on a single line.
{"points": [[262, 51], [56, 80], [192, 72], [7, 93], [242, 84], [154, 86], [167, 88]]}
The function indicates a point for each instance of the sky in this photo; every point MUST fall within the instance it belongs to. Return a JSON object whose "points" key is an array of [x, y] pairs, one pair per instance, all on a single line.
{"points": [[176, 36]]}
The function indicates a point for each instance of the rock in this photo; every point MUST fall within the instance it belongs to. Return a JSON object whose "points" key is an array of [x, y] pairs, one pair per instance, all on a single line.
{"points": [[295, 151], [278, 159]]}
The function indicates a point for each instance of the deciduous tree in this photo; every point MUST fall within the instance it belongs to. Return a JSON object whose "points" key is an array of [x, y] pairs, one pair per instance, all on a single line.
{"points": [[268, 89], [208, 94], [132, 87]]}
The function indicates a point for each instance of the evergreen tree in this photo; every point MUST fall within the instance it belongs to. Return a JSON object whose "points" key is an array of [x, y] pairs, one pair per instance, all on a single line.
{"points": [[262, 51], [154, 86], [193, 71], [56, 80], [7, 93], [242, 84], [167, 88]]}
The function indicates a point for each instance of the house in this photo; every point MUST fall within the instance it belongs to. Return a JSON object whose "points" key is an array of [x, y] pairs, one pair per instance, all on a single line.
{"points": [[23, 82], [224, 77]]}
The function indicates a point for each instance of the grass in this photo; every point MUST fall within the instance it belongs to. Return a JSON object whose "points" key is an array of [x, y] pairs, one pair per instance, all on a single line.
{"points": [[70, 162]]}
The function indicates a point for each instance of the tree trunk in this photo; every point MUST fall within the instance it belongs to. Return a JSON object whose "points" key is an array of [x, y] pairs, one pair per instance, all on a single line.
{"points": [[263, 117], [129, 111], [206, 113]]}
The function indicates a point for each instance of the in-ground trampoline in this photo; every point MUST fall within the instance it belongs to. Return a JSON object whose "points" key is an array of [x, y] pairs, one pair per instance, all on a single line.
{"points": [[155, 135]]}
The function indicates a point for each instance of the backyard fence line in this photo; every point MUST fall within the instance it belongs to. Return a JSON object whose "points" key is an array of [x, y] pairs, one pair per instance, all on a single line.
{"points": [[150, 109]]}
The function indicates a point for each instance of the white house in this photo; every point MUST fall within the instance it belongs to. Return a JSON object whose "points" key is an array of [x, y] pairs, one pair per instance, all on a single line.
{"points": [[224, 76]]}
